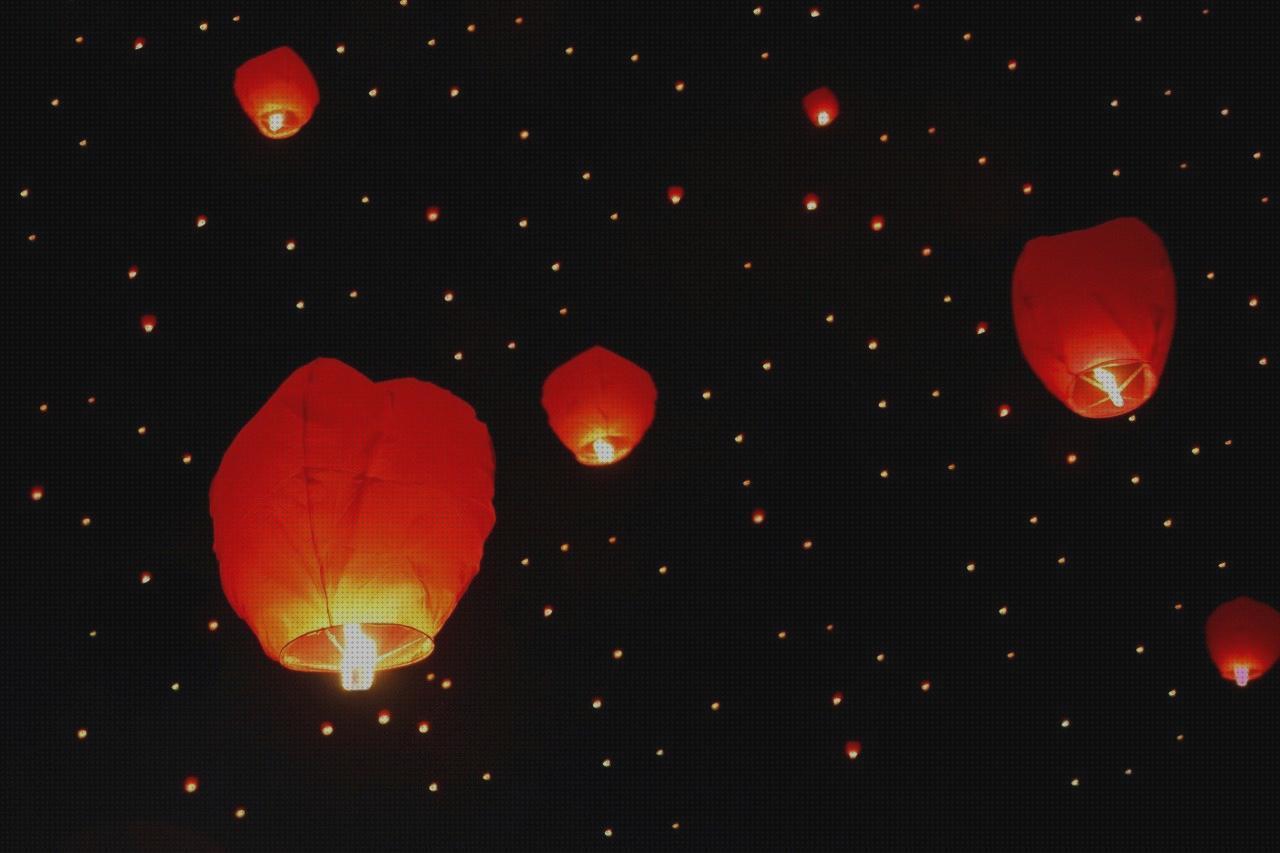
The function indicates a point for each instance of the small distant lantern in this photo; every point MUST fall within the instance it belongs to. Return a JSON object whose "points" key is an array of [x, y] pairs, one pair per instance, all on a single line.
{"points": [[277, 92], [675, 193], [147, 322], [822, 106], [1243, 636], [1094, 313], [599, 405], [811, 202]]}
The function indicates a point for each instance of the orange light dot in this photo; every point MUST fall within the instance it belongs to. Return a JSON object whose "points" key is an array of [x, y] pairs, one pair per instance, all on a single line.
{"points": [[139, 43], [37, 493], [1004, 411], [679, 85], [326, 729], [1072, 458], [982, 160], [290, 245], [597, 703], [926, 251], [757, 516], [239, 813], [433, 214], [340, 48], [873, 344], [384, 717], [191, 784], [675, 194], [807, 544], [811, 202], [446, 683], [981, 328], [133, 271], [837, 698], [202, 221], [144, 577], [1012, 65], [454, 91], [424, 727], [925, 685], [852, 749], [617, 654], [547, 611], [1027, 189], [213, 624], [877, 223], [148, 323]]}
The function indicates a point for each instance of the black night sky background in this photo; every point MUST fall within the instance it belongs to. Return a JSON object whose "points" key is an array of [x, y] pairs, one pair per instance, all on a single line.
{"points": [[717, 722]]}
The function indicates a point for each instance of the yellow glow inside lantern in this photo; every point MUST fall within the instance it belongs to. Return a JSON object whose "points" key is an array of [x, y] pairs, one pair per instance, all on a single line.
{"points": [[604, 450], [1242, 673], [278, 121], [359, 658], [1107, 382]]}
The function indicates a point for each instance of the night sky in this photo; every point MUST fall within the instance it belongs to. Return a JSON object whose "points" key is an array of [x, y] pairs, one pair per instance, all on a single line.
{"points": [[1016, 640]]}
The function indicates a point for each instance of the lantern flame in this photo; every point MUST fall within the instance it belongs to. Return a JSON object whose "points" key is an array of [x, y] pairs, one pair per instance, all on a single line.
{"points": [[824, 118], [1242, 674], [604, 451], [1107, 382], [275, 122], [359, 658]]}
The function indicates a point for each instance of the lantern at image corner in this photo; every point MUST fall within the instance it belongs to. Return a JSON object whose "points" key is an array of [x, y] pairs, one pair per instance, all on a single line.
{"points": [[599, 405], [1243, 636], [1094, 313], [277, 92], [349, 518], [822, 106]]}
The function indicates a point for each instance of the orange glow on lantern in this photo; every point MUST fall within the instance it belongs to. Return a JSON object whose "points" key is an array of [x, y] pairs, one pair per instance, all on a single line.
{"points": [[147, 322], [349, 518], [1243, 636], [675, 193], [599, 405], [811, 202], [1094, 314], [277, 92], [822, 106]]}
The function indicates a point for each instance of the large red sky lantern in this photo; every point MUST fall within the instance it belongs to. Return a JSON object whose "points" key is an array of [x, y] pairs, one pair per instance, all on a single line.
{"points": [[277, 92], [599, 405], [1094, 313], [349, 518], [1244, 639], [822, 106]]}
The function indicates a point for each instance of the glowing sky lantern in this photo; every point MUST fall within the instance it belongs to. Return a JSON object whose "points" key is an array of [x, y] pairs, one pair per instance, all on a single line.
{"points": [[599, 405], [811, 202], [1244, 639], [1094, 313], [277, 92], [822, 106], [675, 193], [349, 518]]}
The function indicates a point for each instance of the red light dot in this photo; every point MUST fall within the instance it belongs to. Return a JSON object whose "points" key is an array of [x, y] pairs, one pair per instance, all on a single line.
{"points": [[139, 43], [811, 202], [1004, 411], [1012, 65], [133, 271], [37, 493], [675, 194], [433, 214], [384, 717], [191, 784], [852, 749], [877, 223], [1027, 189], [147, 322], [837, 698], [981, 328], [326, 728], [757, 516]]}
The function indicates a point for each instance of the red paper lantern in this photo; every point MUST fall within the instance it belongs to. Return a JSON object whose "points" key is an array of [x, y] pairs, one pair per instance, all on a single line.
{"points": [[277, 92], [349, 517], [822, 106], [1094, 313], [811, 202], [599, 405], [1244, 639], [675, 193], [148, 323]]}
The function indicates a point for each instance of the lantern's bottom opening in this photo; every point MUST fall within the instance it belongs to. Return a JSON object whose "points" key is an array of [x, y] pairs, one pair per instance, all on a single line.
{"points": [[322, 650], [279, 122], [603, 450], [1111, 388]]}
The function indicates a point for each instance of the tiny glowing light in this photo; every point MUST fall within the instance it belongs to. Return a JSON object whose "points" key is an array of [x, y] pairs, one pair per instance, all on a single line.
{"points": [[1075, 783], [739, 438], [239, 813], [715, 706], [433, 787], [830, 318], [133, 271], [767, 365], [884, 474], [873, 344], [1035, 519], [608, 832], [837, 698], [1065, 722], [880, 657], [981, 328], [454, 91], [1168, 522], [522, 222], [877, 223], [213, 624], [202, 221], [884, 137], [1253, 301], [679, 85], [191, 784], [971, 567], [746, 265], [148, 323], [568, 51], [1004, 411], [765, 55], [564, 547], [852, 749], [341, 48], [523, 134], [1115, 173], [675, 194], [37, 493], [924, 686], [662, 570], [1003, 611], [926, 251], [511, 344], [782, 635], [300, 304], [457, 356], [1027, 189], [811, 202], [175, 687], [1012, 65], [982, 160], [139, 43], [81, 734], [471, 28], [1115, 103], [757, 516], [1140, 649], [555, 267], [814, 11], [935, 393], [635, 57], [431, 42], [613, 217], [547, 611], [758, 11], [706, 395], [617, 654], [384, 717], [433, 214], [446, 683], [326, 729], [967, 36], [424, 727], [597, 703], [55, 102], [290, 245], [608, 762], [807, 544], [1135, 479], [144, 577]]}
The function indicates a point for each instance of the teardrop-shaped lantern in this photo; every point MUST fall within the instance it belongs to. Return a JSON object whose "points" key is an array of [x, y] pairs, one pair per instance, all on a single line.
{"points": [[599, 405], [1244, 639], [349, 517], [277, 92], [822, 106], [1094, 313]]}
